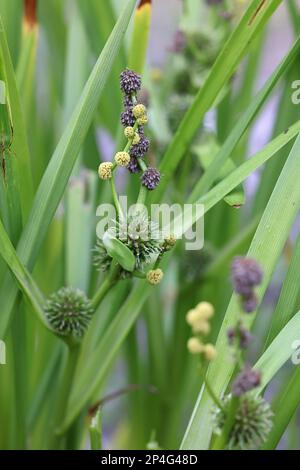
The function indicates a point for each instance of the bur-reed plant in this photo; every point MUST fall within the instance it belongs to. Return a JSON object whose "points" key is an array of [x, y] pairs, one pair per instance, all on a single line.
{"points": [[192, 347]]}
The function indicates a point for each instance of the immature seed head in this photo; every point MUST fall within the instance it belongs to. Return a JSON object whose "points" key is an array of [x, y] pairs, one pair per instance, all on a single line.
{"points": [[69, 312], [129, 132], [154, 276], [139, 111], [253, 422], [195, 346], [246, 274], [130, 82], [122, 158], [105, 170], [246, 380], [150, 178]]}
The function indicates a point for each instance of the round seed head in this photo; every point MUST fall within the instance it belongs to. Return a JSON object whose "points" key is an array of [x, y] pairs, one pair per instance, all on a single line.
{"points": [[150, 178], [130, 82], [69, 312], [253, 422], [155, 276], [139, 111], [105, 170], [122, 158], [195, 346], [129, 132], [210, 352]]}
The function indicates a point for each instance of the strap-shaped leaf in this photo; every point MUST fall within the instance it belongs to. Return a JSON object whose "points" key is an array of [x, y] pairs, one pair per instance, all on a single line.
{"points": [[57, 174], [119, 252]]}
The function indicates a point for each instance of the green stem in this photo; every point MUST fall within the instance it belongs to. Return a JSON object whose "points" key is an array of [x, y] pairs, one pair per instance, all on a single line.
{"points": [[115, 197], [105, 287], [64, 393], [211, 392], [95, 431], [222, 440]]}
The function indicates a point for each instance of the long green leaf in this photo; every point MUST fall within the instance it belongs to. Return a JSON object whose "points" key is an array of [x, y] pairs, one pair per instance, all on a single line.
{"points": [[25, 281], [89, 382], [19, 144], [278, 352], [242, 125], [250, 25], [287, 301], [60, 167], [266, 247]]}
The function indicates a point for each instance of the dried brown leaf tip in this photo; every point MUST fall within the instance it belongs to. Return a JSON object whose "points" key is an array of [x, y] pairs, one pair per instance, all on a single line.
{"points": [[144, 2], [30, 9]]}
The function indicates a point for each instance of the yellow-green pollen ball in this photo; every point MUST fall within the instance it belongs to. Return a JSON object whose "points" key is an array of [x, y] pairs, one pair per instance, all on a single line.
{"points": [[139, 111], [129, 132], [122, 158], [105, 170]]}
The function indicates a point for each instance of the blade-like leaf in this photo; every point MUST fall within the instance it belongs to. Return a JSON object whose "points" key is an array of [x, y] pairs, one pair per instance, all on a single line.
{"points": [[266, 247], [89, 382], [60, 167], [250, 25], [25, 281]]}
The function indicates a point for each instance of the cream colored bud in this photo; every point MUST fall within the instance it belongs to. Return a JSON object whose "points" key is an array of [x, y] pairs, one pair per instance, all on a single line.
{"points": [[206, 310], [170, 240], [142, 120], [201, 327], [195, 346], [155, 276], [122, 158], [192, 316], [129, 132], [136, 139], [210, 352], [105, 170], [139, 111]]}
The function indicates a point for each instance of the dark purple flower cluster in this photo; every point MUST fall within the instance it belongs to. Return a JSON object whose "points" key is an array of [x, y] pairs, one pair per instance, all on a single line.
{"points": [[139, 150], [150, 178], [239, 334], [246, 274], [130, 82], [133, 165], [246, 380]]}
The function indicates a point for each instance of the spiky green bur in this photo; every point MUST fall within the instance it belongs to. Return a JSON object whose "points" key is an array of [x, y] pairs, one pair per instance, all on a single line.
{"points": [[139, 234], [69, 312], [253, 422]]}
